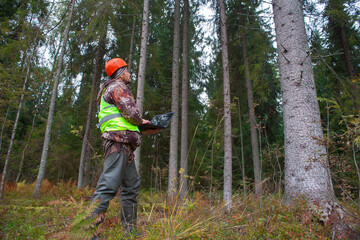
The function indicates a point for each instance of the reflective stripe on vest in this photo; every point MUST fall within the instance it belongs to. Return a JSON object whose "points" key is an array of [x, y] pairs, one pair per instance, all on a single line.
{"points": [[110, 119]]}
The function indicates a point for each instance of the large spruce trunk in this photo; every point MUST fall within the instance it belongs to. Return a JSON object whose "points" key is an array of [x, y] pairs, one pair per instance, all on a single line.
{"points": [[307, 172], [306, 168]]}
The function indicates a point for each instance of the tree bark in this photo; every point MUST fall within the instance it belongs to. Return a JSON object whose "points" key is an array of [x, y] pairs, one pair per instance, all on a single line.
{"points": [[306, 168], [92, 102], [174, 129], [45, 150], [253, 125], [227, 112], [184, 109], [142, 68]]}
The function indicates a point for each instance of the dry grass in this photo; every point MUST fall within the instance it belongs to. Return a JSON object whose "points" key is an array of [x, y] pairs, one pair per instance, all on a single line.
{"points": [[56, 214]]}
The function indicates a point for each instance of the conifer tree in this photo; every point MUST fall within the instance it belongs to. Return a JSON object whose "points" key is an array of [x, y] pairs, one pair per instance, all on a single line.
{"points": [[307, 170], [45, 150]]}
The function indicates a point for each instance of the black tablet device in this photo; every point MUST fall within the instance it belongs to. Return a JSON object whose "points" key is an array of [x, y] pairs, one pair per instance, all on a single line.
{"points": [[158, 121]]}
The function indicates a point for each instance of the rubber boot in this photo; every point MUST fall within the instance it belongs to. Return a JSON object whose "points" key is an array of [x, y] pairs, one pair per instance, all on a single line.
{"points": [[128, 219], [97, 220]]}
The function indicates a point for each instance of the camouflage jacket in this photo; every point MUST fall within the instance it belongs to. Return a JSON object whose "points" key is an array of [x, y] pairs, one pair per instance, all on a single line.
{"points": [[119, 94]]}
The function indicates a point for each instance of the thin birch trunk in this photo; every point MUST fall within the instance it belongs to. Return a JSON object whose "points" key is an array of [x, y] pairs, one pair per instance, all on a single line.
{"points": [[92, 101], [45, 150], [174, 129], [227, 112], [141, 73], [184, 109]]}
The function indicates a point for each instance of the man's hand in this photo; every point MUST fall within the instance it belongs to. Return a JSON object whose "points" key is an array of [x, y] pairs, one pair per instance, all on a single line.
{"points": [[144, 121], [150, 131]]}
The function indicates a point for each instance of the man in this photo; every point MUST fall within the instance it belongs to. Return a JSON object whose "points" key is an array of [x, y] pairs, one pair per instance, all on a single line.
{"points": [[119, 118]]}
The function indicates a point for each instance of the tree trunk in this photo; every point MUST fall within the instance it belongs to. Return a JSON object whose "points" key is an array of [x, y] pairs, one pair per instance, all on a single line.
{"points": [[157, 169], [213, 139], [174, 129], [87, 163], [132, 43], [28, 141], [227, 112], [242, 150], [45, 150], [306, 169], [347, 54], [35, 44], [142, 68], [13, 133], [253, 125], [92, 102], [3, 126], [184, 109], [357, 172], [252, 116], [338, 19]]}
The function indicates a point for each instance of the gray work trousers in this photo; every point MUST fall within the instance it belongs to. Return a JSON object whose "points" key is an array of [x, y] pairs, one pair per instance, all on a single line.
{"points": [[117, 173]]}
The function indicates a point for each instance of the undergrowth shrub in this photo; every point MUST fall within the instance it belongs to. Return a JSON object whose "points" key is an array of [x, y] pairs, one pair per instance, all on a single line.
{"points": [[61, 209]]}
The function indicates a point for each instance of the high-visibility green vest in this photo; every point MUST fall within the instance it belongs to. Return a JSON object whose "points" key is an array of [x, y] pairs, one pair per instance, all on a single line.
{"points": [[110, 119]]}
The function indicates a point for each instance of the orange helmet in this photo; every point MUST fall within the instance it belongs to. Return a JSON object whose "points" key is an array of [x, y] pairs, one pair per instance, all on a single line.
{"points": [[113, 65]]}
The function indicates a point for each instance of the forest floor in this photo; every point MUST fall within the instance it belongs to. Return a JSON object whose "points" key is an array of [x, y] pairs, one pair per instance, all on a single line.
{"points": [[58, 212]]}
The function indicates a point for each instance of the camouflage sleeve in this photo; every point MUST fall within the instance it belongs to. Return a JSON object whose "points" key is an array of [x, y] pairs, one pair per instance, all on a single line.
{"points": [[120, 95]]}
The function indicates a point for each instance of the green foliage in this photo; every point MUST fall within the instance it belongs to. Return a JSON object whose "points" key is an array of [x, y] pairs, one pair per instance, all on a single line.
{"points": [[20, 27], [331, 66]]}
